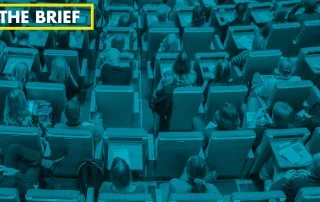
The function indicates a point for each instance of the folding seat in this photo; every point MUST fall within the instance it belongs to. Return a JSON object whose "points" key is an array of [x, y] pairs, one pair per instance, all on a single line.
{"points": [[308, 194], [277, 196], [9, 195], [115, 12], [76, 144], [189, 98], [281, 36], [149, 13], [47, 195], [119, 105], [184, 16], [117, 197], [164, 62], [55, 93], [313, 144], [261, 13], [219, 95], [176, 148], [5, 88], [195, 197], [228, 151]]}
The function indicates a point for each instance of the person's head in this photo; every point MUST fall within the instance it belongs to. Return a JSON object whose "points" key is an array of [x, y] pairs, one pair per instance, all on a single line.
{"points": [[60, 70], [72, 112], [282, 114], [196, 170], [222, 72], [162, 14], [309, 5], [118, 42], [227, 118], [198, 16], [15, 107], [124, 21], [285, 67], [315, 168], [170, 44], [240, 10], [279, 15], [21, 73], [120, 173], [259, 42], [182, 64], [111, 56], [63, 39]]}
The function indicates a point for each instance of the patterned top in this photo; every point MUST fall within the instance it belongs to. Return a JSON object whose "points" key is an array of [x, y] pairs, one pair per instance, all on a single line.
{"points": [[240, 59]]}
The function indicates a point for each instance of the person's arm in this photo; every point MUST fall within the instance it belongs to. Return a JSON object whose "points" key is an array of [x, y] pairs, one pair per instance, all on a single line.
{"points": [[291, 15], [240, 59]]}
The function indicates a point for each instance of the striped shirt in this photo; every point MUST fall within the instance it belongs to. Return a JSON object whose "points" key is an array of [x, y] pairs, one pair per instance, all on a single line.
{"points": [[240, 59]]}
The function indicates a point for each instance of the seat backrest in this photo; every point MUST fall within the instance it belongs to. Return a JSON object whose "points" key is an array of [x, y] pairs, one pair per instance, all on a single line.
{"points": [[155, 38], [116, 105], [164, 62], [9, 195], [308, 194], [115, 12], [277, 196], [308, 35], [313, 144], [47, 195], [263, 151], [126, 32], [228, 150], [115, 75], [76, 144], [281, 36], [116, 197], [71, 56], [5, 88], [185, 98], [191, 42], [195, 197], [55, 93], [122, 2], [219, 95], [176, 148], [292, 92], [24, 136], [263, 62]]}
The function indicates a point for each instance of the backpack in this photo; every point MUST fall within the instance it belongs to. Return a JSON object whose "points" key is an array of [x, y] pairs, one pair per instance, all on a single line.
{"points": [[41, 112], [90, 174]]}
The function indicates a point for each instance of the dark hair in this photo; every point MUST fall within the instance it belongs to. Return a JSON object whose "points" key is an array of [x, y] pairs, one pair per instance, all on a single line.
{"points": [[315, 109], [227, 118], [124, 21], [120, 173], [118, 42], [182, 64], [240, 9], [198, 16], [196, 170], [222, 72], [72, 111], [280, 15], [282, 114]]}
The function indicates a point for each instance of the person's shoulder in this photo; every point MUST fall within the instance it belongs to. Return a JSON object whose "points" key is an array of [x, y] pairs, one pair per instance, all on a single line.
{"points": [[178, 186], [212, 189], [140, 187], [106, 187]]}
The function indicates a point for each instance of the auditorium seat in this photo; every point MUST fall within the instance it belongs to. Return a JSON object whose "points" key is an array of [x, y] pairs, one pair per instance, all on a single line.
{"points": [[308, 194], [281, 36], [183, 16], [149, 13], [115, 12], [9, 195], [261, 12], [276, 196], [119, 105], [189, 98], [195, 197], [235, 147], [175, 148], [263, 151], [76, 144], [46, 195], [117, 197], [219, 95], [313, 144], [164, 62], [5, 87]]}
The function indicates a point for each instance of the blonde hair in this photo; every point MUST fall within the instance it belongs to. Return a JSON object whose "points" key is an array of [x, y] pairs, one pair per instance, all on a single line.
{"points": [[170, 44], [259, 42], [21, 73], [15, 108], [60, 71]]}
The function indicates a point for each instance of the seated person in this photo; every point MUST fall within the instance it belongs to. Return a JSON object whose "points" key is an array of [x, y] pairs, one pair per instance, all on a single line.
{"points": [[294, 180], [118, 42], [72, 114], [279, 16], [194, 179], [309, 118], [62, 38], [162, 19], [226, 118], [121, 179], [130, 20], [310, 12], [199, 17], [22, 74], [12, 177], [181, 75], [178, 3], [258, 43]]}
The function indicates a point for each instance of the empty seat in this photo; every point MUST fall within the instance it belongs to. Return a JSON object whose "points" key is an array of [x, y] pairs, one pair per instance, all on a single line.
{"points": [[76, 144], [115, 197], [277, 196], [176, 148], [308, 194], [9, 195], [46, 195], [119, 105], [195, 197], [5, 88], [235, 147], [189, 98], [281, 36]]}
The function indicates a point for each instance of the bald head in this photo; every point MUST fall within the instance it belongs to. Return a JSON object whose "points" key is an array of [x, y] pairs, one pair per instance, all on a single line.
{"points": [[162, 14]]}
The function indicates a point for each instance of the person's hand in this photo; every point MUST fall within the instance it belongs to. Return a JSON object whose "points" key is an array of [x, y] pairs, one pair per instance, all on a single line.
{"points": [[8, 171]]}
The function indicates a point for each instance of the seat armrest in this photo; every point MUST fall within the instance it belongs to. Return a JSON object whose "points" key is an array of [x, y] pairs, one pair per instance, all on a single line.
{"points": [[151, 156], [248, 164], [90, 194], [201, 153], [159, 195], [47, 152], [201, 111], [84, 70], [135, 71], [236, 74], [136, 103], [217, 43], [93, 106], [149, 70], [92, 45], [98, 153], [144, 43]]}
